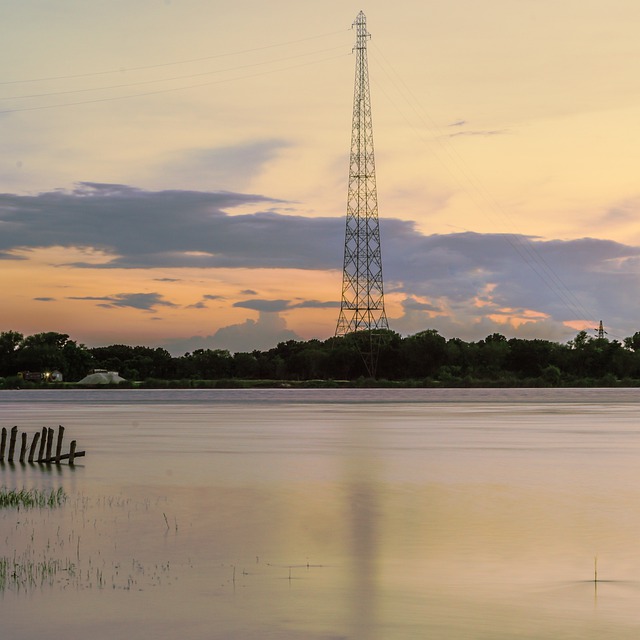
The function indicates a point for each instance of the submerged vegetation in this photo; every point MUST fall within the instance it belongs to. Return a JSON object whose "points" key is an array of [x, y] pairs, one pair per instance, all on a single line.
{"points": [[24, 572], [425, 359], [68, 549], [31, 498]]}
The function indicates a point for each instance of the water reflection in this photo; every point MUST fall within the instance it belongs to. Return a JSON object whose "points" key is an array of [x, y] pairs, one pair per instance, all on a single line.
{"points": [[363, 515], [323, 520]]}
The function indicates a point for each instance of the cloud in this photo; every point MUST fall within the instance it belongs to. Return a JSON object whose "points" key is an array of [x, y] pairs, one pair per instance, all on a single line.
{"points": [[8, 255], [315, 304], [468, 323], [469, 278], [142, 301], [263, 305], [411, 304], [233, 166], [284, 305], [463, 279], [474, 132], [44, 299], [264, 333], [144, 229], [202, 304], [461, 265], [486, 132]]}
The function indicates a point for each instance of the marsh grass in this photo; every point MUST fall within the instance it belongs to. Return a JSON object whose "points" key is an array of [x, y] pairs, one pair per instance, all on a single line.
{"points": [[78, 547], [31, 498], [23, 572]]}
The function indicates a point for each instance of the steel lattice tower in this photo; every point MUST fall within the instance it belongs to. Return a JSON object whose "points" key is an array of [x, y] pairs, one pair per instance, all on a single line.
{"points": [[362, 306]]}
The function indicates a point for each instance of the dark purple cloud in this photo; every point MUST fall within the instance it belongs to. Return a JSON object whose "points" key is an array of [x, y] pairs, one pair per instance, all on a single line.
{"points": [[584, 278], [142, 301]]}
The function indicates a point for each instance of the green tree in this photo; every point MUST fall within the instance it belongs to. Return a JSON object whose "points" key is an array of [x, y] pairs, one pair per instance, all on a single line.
{"points": [[112, 357], [633, 342], [458, 356], [491, 355], [78, 361], [9, 343], [308, 363], [50, 351], [423, 354], [344, 361], [245, 365], [42, 352], [591, 357], [208, 364], [528, 358], [552, 375]]}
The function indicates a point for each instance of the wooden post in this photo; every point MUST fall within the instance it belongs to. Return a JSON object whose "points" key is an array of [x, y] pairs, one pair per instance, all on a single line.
{"points": [[59, 443], [12, 443], [72, 452], [43, 442], [49, 445], [76, 454], [23, 446], [3, 443], [34, 444]]}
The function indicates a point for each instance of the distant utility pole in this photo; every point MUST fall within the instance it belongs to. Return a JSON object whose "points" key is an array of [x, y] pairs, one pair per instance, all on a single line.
{"points": [[601, 331], [362, 306]]}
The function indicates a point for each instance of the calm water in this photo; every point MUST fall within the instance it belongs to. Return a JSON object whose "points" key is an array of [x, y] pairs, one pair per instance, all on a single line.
{"points": [[368, 515]]}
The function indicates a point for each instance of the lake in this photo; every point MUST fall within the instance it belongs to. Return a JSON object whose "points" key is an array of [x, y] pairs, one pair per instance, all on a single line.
{"points": [[371, 514]]}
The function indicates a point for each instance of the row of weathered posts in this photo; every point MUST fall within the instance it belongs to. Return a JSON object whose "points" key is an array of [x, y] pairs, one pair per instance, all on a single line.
{"points": [[45, 450]]}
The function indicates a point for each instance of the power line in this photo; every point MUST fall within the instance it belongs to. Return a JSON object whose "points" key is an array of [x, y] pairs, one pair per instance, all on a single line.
{"points": [[169, 64], [170, 90], [170, 79], [523, 248]]}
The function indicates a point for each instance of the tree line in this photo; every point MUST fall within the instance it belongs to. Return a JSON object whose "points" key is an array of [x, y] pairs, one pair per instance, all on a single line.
{"points": [[423, 359]]}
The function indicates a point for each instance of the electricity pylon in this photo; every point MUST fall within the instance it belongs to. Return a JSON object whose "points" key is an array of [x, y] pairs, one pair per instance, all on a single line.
{"points": [[362, 305]]}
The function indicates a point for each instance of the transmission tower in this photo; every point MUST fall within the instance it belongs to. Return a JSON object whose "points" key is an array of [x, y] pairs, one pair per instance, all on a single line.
{"points": [[362, 306]]}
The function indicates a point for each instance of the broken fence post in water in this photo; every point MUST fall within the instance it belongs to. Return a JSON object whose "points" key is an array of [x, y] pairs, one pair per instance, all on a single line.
{"points": [[23, 446], [12, 443], [49, 443], [3, 443], [34, 444], [45, 442], [59, 443]]}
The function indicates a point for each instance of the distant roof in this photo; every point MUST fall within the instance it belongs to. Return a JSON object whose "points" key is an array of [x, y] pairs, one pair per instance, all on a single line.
{"points": [[102, 377]]}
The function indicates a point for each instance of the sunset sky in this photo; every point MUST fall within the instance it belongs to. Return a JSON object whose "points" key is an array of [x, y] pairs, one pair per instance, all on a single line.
{"points": [[174, 172]]}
